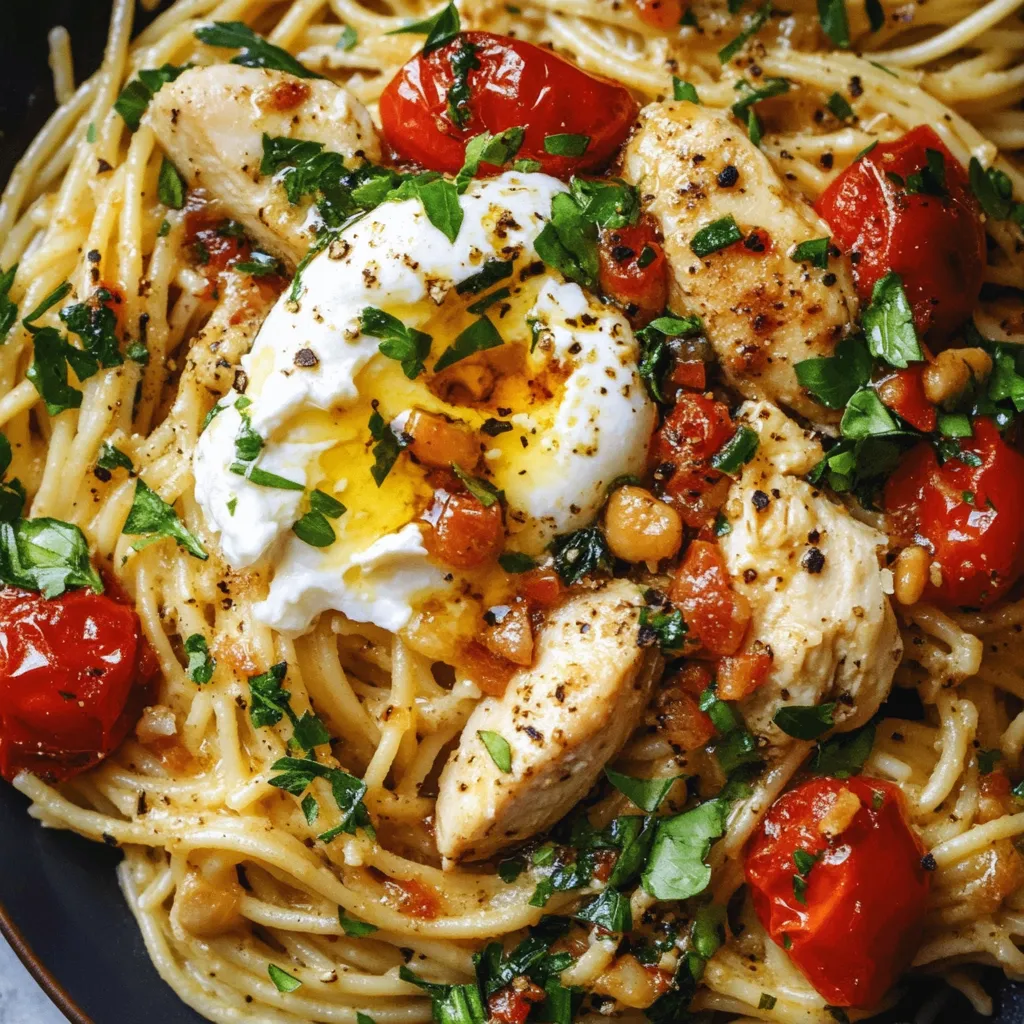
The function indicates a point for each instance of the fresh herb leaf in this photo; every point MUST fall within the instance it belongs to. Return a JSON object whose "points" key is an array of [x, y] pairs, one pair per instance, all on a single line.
{"points": [[256, 51], [754, 25], [151, 516], [609, 202], [46, 555], [477, 337], [310, 809], [834, 22], [442, 28], [354, 927], [840, 106], [737, 451], [452, 1004], [566, 144], [170, 188], [931, 179], [135, 97], [708, 931], [889, 323], [495, 150], [814, 251], [832, 380], [987, 760], [655, 352], [766, 1002], [200, 665], [992, 188], [463, 60], [866, 416], [497, 746], [387, 449], [314, 529], [8, 309], [490, 273], [481, 306], [610, 911], [111, 458], [407, 345], [516, 562], [749, 95], [805, 722], [49, 371], [259, 264], [347, 40], [647, 794], [568, 242], [844, 754], [676, 868], [283, 981], [684, 90], [483, 491], [50, 301], [580, 554], [754, 132], [664, 626], [714, 236], [95, 323]]}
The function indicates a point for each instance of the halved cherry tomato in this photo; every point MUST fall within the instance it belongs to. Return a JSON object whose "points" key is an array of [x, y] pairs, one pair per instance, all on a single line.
{"points": [[716, 615], [75, 674], [971, 518], [466, 534], [903, 392], [660, 14], [853, 921], [634, 271], [935, 243], [515, 84], [692, 432]]}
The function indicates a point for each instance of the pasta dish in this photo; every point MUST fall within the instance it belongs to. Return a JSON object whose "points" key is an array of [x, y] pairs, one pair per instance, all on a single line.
{"points": [[514, 511]]}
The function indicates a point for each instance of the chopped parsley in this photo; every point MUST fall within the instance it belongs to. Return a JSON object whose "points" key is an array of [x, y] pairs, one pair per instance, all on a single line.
{"points": [[463, 60], [834, 22], [442, 28], [477, 337], [135, 97], [832, 380], [580, 554], [737, 451], [170, 187], [497, 746], [715, 236], [407, 345], [354, 927], [8, 309], [682, 90], [256, 52], [753, 26], [387, 448], [566, 144], [844, 754], [283, 981], [676, 869], [813, 251], [200, 665], [111, 458], [568, 242], [297, 774], [46, 555], [647, 794], [153, 519]]}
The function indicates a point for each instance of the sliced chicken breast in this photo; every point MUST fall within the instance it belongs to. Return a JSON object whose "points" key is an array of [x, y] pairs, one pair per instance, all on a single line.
{"points": [[763, 311], [211, 123], [563, 719], [812, 575]]}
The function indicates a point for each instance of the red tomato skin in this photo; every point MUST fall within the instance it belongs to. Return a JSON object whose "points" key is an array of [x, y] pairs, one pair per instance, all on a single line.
{"points": [[936, 245], [465, 534], [716, 615], [903, 392], [75, 674], [866, 898], [642, 291], [979, 547], [517, 84], [664, 15]]}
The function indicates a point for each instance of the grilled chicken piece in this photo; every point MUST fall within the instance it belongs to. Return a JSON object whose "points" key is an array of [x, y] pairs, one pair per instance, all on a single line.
{"points": [[564, 718], [811, 574], [211, 123], [763, 312]]}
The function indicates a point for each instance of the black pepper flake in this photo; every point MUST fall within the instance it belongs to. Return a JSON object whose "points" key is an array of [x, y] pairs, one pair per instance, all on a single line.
{"points": [[492, 427], [813, 561], [646, 637], [760, 500], [813, 537], [928, 862], [856, 88], [102, 167], [140, 806], [754, 242], [101, 474], [93, 256], [826, 160], [241, 381], [109, 839], [621, 253], [728, 176], [534, 734], [749, 575], [828, 280], [306, 358]]}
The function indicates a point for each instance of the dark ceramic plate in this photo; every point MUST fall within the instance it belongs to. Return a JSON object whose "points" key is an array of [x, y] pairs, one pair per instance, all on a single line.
{"points": [[60, 907]]}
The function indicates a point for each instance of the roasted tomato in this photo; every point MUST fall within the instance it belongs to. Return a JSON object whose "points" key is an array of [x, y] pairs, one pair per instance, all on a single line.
{"points": [[836, 878], [903, 392], [634, 271], [683, 445], [508, 83], [465, 534], [75, 673], [512, 1004], [716, 615], [936, 243], [968, 517], [660, 14]]}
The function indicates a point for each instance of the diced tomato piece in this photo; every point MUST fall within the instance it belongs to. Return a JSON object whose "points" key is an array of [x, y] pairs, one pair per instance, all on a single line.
{"points": [[466, 534], [75, 674], [693, 678], [716, 615], [680, 718], [739, 675], [664, 15], [634, 271], [541, 587], [936, 243], [971, 518], [490, 672], [413, 898], [510, 83], [512, 1004], [511, 637], [288, 94], [689, 373], [693, 431], [852, 922], [903, 392]]}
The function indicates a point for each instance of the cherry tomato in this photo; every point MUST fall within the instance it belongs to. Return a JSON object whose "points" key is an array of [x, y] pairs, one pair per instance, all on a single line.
{"points": [[935, 243], [466, 534], [664, 15], [969, 517], [716, 615], [903, 392], [852, 921], [515, 84], [75, 673], [634, 271], [692, 432]]}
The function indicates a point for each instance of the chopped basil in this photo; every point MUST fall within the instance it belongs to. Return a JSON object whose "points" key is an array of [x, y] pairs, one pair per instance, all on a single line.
{"points": [[407, 345], [477, 337], [8, 309], [987, 760], [170, 188], [813, 251], [451, 1004], [135, 97], [800, 889], [354, 927], [111, 458], [47, 555], [664, 626], [805, 722], [283, 981], [832, 380], [481, 306], [264, 478], [483, 491], [866, 416], [721, 527], [647, 794], [714, 236], [510, 869], [754, 25], [442, 28], [440, 201], [137, 353], [610, 911], [737, 451], [609, 202], [844, 755], [463, 60], [676, 868], [646, 258], [875, 13], [490, 273], [654, 349], [47, 303], [256, 51], [954, 424], [754, 132], [95, 323], [931, 179], [766, 1002], [516, 562], [566, 144], [992, 188], [347, 40], [839, 106], [684, 90], [496, 150], [580, 554], [708, 931], [804, 861], [200, 665], [497, 746], [387, 449], [750, 95], [527, 166], [348, 791], [568, 242], [1005, 382], [314, 529], [310, 809], [834, 23], [259, 264], [49, 370], [152, 518]]}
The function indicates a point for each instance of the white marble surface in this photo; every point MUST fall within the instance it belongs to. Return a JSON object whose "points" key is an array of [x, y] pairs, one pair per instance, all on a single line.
{"points": [[22, 1001]]}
